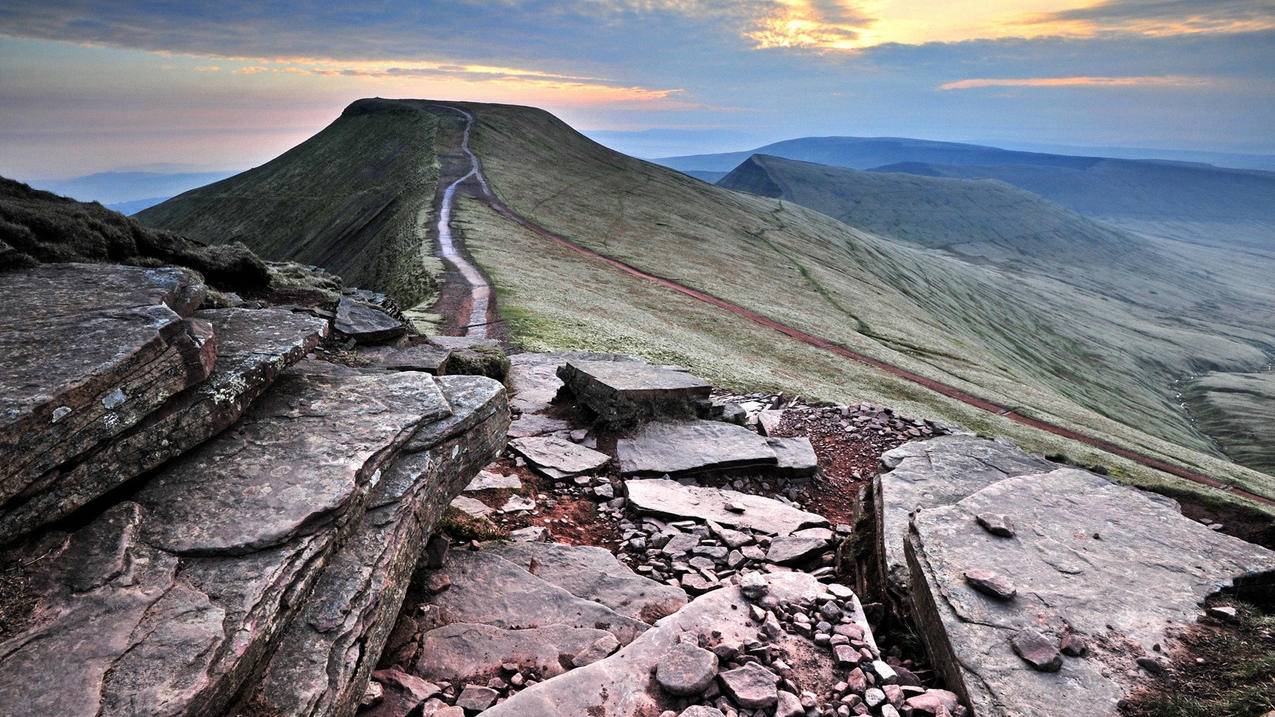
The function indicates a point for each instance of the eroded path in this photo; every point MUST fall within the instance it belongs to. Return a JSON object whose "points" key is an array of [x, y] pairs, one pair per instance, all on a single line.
{"points": [[478, 319], [831, 346]]}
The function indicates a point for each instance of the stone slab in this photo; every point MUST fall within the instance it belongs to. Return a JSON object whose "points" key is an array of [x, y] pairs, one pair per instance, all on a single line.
{"points": [[365, 323], [936, 472], [796, 457], [417, 357], [687, 447], [89, 350], [1116, 565], [325, 658], [625, 392], [725, 507], [475, 653], [558, 457], [253, 347]]}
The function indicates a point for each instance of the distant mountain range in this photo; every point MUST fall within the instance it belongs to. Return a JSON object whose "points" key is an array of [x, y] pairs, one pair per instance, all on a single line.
{"points": [[128, 192], [1121, 190]]}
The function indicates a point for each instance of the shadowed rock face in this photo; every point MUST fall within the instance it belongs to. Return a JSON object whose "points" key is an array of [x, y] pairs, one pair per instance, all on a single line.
{"points": [[1112, 564], [253, 347], [624, 392], [326, 656], [167, 603], [89, 351]]}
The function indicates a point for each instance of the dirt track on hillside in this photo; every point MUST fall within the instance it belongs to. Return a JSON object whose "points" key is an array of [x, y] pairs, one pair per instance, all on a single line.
{"points": [[818, 342]]}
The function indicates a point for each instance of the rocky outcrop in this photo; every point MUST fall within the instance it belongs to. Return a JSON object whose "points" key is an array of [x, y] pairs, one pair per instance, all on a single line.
{"points": [[326, 656], [253, 347], [169, 602], [1090, 562], [931, 473], [89, 351]]}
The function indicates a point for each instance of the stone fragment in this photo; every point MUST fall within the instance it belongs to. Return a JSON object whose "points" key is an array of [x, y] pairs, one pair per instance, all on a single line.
{"points": [[558, 458], [1225, 613], [89, 351], [798, 546], [687, 447], [416, 357], [471, 506], [597, 650], [933, 700], [530, 534], [622, 393], [768, 421], [753, 586], [518, 504], [795, 456], [1073, 645], [990, 583], [476, 698], [418, 689], [686, 670], [668, 497], [789, 705], [701, 711], [365, 323], [751, 686], [471, 652], [996, 524], [487, 480]]}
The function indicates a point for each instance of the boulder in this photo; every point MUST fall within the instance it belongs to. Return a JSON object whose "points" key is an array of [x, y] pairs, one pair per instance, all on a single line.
{"points": [[253, 348], [936, 472], [89, 351], [365, 323], [1099, 559], [686, 669], [168, 603], [725, 507], [622, 393], [685, 447], [558, 458], [315, 670], [798, 546], [751, 686]]}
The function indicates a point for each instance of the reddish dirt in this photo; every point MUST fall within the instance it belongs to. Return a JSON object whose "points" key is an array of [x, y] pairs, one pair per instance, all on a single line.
{"points": [[818, 342], [571, 520]]}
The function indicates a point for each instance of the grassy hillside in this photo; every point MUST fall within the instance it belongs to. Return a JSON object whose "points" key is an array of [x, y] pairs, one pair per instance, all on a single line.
{"points": [[354, 199], [1080, 358], [1238, 408], [977, 219]]}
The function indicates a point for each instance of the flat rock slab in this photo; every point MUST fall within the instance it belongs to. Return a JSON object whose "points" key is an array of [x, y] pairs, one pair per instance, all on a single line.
{"points": [[253, 347], [469, 652], [365, 323], [486, 480], [796, 457], [687, 447], [325, 658], [89, 350], [558, 457], [417, 357], [724, 507], [242, 493], [936, 472], [624, 684], [1110, 563], [156, 608], [595, 574], [624, 392], [488, 589], [533, 377]]}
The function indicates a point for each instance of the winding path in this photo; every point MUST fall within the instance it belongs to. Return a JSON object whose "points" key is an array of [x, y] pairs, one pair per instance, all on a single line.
{"points": [[816, 341], [479, 288]]}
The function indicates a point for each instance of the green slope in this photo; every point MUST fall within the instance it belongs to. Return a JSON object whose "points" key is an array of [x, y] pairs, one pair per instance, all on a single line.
{"points": [[1078, 358], [1239, 409], [353, 199]]}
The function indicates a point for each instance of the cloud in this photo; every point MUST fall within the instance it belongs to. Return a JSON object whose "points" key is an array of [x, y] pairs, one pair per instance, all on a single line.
{"points": [[1079, 81], [810, 24], [1162, 17], [208, 68]]}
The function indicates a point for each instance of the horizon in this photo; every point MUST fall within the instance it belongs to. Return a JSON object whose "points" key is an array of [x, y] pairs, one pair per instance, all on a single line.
{"points": [[92, 88]]}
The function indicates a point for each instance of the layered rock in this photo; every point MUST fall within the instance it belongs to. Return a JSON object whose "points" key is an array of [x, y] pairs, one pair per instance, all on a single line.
{"points": [[326, 656], [724, 507], [167, 603], [253, 347], [1090, 561], [89, 351]]}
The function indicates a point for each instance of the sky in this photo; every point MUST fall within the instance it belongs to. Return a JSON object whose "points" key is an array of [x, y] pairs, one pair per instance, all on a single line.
{"points": [[106, 84]]}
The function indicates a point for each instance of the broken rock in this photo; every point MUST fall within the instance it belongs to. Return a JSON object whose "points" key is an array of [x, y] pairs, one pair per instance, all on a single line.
{"points": [[558, 458], [725, 507], [686, 670], [683, 447]]}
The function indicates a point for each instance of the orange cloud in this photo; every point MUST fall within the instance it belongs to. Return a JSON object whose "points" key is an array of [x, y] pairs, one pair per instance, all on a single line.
{"points": [[1078, 81]]}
